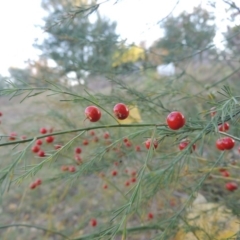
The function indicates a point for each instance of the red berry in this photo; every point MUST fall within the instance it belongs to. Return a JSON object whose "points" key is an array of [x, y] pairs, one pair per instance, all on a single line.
{"points": [[85, 142], [114, 173], [78, 150], [175, 120], [57, 146], [95, 139], [106, 135], [41, 153], [38, 182], [12, 136], [150, 216], [78, 159], [134, 173], [127, 183], [224, 127], [138, 149], [220, 144], [92, 133], [64, 168], [133, 179], [225, 143], [93, 222], [225, 173], [49, 139], [229, 143], [1, 114], [231, 186], [23, 137], [71, 169], [93, 113], [43, 130], [35, 149], [39, 142], [184, 143], [105, 186], [128, 144], [148, 143], [121, 111], [33, 185]]}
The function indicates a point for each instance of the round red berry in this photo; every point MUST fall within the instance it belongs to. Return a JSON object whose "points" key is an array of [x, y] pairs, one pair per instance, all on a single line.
{"points": [[93, 113], [138, 148], [128, 144], [71, 169], [38, 181], [184, 143], [229, 143], [23, 137], [78, 159], [149, 141], [224, 127], [225, 173], [12, 136], [114, 173], [121, 111], [225, 143], [57, 146], [92, 133], [150, 216], [85, 142], [106, 135], [127, 183], [41, 153], [33, 185], [49, 139], [43, 130], [35, 149], [175, 120], [134, 173], [133, 179], [105, 186], [39, 142], [93, 222], [78, 150], [220, 144], [1, 114], [231, 186]]}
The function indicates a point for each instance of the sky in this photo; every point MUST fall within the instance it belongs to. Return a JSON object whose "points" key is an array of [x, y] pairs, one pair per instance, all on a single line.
{"points": [[136, 21]]}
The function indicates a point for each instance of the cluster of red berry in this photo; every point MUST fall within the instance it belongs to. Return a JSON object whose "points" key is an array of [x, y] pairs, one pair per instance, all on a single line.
{"points": [[120, 110], [49, 139]]}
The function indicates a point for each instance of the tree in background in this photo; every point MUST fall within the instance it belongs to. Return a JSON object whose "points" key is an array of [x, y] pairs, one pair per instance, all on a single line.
{"points": [[187, 33], [77, 45]]}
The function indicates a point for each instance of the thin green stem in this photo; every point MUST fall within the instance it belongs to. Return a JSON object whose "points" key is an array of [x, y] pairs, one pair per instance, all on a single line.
{"points": [[82, 129]]}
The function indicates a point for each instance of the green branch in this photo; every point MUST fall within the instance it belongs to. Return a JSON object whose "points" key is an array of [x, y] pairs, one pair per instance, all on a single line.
{"points": [[81, 129]]}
